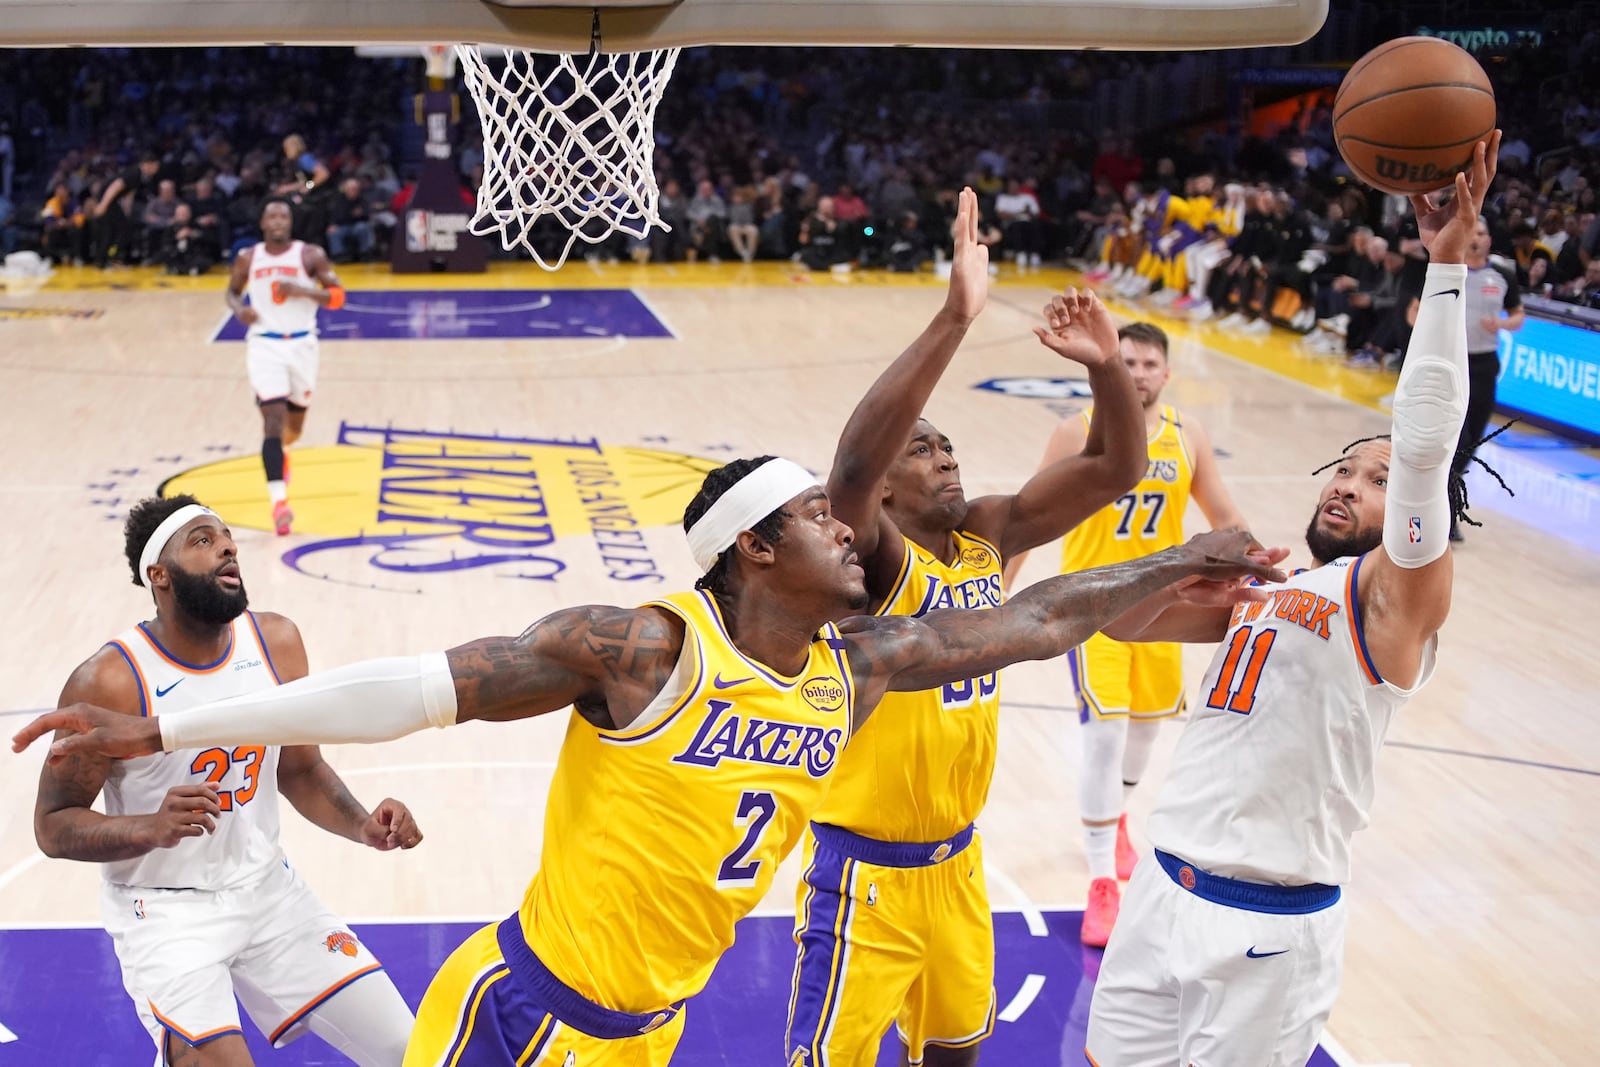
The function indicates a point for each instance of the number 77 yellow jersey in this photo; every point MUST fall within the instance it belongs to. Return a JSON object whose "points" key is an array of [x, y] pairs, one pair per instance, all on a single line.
{"points": [[1144, 520]]}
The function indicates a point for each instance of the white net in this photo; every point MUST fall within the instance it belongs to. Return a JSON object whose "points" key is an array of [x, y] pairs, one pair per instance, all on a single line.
{"points": [[568, 146]]}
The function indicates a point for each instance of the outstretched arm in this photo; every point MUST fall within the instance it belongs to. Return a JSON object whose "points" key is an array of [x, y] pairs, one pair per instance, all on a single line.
{"points": [[608, 662], [1114, 454], [1406, 586], [883, 420], [1044, 620]]}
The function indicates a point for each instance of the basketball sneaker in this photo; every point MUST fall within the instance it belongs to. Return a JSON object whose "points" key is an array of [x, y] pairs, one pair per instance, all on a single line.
{"points": [[1101, 914], [1127, 858], [282, 517]]}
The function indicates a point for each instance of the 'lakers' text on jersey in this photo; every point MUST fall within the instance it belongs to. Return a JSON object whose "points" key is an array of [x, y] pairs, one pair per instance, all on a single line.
{"points": [[921, 766], [245, 842], [1274, 773], [1144, 520], [641, 880]]}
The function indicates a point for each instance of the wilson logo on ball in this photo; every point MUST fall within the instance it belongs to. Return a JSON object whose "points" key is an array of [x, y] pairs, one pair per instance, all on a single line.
{"points": [[1398, 170]]}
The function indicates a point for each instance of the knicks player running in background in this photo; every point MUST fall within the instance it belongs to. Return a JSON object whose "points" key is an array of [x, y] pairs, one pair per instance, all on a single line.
{"points": [[281, 347], [1125, 690], [1231, 944], [197, 895], [703, 732], [893, 920]]}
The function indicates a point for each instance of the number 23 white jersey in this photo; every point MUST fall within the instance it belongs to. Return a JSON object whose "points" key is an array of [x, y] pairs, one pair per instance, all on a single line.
{"points": [[1274, 772], [245, 843]]}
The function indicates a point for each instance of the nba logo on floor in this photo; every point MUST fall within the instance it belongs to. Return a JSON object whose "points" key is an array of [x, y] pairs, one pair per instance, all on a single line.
{"points": [[1415, 529]]}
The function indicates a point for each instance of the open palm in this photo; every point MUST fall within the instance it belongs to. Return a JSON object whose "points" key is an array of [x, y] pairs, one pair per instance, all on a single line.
{"points": [[969, 266]]}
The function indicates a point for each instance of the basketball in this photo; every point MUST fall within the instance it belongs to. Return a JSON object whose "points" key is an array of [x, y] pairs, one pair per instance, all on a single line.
{"points": [[1408, 114]]}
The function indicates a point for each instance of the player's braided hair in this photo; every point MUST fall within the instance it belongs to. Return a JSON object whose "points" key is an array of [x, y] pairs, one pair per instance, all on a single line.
{"points": [[142, 521], [717, 482], [1457, 486]]}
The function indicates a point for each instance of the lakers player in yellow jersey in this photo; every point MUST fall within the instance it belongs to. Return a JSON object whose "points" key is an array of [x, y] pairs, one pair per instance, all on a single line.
{"points": [[913, 909], [704, 728], [1124, 691]]}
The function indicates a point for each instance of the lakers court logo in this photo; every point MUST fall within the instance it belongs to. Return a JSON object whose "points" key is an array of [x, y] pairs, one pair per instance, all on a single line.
{"points": [[398, 508]]}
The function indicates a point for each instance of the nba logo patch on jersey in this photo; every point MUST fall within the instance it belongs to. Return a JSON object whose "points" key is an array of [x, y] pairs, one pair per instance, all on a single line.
{"points": [[138, 909], [342, 941], [1415, 529]]}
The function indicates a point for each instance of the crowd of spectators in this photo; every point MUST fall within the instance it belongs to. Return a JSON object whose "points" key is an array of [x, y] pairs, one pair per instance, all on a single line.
{"points": [[828, 158]]}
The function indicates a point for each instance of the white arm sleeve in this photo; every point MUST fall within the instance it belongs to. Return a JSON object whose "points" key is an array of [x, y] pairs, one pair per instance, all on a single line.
{"points": [[375, 700], [1430, 406]]}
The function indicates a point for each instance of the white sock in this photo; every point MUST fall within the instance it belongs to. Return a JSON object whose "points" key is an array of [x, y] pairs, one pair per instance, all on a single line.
{"points": [[1100, 791], [278, 492], [1100, 847]]}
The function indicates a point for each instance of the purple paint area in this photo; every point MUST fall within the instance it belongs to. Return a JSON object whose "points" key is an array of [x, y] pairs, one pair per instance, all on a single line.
{"points": [[61, 995], [458, 314]]}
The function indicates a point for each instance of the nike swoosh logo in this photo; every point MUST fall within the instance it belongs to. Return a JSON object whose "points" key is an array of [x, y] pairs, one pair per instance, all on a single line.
{"points": [[170, 688], [718, 682], [1253, 954], [1446, 292]]}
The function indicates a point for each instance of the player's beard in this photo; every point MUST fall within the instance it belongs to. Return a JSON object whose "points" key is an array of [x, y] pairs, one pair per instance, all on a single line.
{"points": [[1326, 547], [201, 598]]}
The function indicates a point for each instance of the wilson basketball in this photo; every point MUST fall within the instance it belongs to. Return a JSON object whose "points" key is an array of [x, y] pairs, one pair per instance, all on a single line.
{"points": [[1408, 114]]}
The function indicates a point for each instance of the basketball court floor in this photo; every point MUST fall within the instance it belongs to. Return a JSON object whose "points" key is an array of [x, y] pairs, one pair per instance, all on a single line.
{"points": [[485, 449]]}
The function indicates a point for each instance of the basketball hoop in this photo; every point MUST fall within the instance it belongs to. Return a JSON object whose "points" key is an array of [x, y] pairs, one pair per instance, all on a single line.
{"points": [[568, 138]]}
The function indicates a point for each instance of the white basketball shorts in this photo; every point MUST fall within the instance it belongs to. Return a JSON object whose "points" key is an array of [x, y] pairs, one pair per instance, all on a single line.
{"points": [[186, 953], [282, 368], [1204, 971]]}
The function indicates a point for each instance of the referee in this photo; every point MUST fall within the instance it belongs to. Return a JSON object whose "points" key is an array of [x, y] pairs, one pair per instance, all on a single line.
{"points": [[1494, 303]]}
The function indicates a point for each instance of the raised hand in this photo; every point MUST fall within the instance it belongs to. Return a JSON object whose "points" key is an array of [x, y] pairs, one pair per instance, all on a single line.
{"points": [[1447, 229], [1079, 328], [391, 826], [88, 729], [186, 811], [1225, 592], [969, 268]]}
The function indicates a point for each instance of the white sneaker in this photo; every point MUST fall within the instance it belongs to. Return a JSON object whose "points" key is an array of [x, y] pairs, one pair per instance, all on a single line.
{"points": [[1163, 297], [1201, 311], [1258, 328], [1231, 320], [1339, 324]]}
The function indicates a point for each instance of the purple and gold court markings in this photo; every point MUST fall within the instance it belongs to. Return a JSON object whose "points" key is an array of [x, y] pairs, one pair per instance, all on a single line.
{"points": [[471, 314], [62, 1001]]}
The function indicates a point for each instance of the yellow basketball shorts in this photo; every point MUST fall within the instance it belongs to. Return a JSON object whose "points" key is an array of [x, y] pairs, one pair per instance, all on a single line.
{"points": [[478, 1013], [1113, 678], [909, 941]]}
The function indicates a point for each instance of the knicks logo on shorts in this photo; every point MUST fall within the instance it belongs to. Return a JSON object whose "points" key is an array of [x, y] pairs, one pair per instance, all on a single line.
{"points": [[1186, 877], [342, 941]]}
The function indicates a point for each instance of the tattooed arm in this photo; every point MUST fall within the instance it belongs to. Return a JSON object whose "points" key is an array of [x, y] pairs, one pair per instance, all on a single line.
{"points": [[607, 662], [1043, 620], [64, 824]]}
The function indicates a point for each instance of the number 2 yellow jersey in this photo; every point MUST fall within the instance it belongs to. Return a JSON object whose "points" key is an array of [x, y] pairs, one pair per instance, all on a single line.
{"points": [[920, 768], [1145, 520], [658, 838]]}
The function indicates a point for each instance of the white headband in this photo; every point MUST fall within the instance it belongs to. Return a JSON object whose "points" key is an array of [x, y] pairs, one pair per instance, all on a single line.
{"points": [[751, 499], [169, 526]]}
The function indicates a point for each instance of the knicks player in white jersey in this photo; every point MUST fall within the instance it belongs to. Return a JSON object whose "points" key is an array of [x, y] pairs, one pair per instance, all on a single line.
{"points": [[286, 282], [1229, 949], [197, 895]]}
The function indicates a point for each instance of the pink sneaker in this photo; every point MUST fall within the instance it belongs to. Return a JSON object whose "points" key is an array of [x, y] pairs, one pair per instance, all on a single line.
{"points": [[282, 517], [1127, 858], [1101, 914]]}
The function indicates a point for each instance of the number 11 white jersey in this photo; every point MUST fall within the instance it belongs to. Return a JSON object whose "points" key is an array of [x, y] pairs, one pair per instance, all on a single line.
{"points": [[1274, 772], [245, 843]]}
